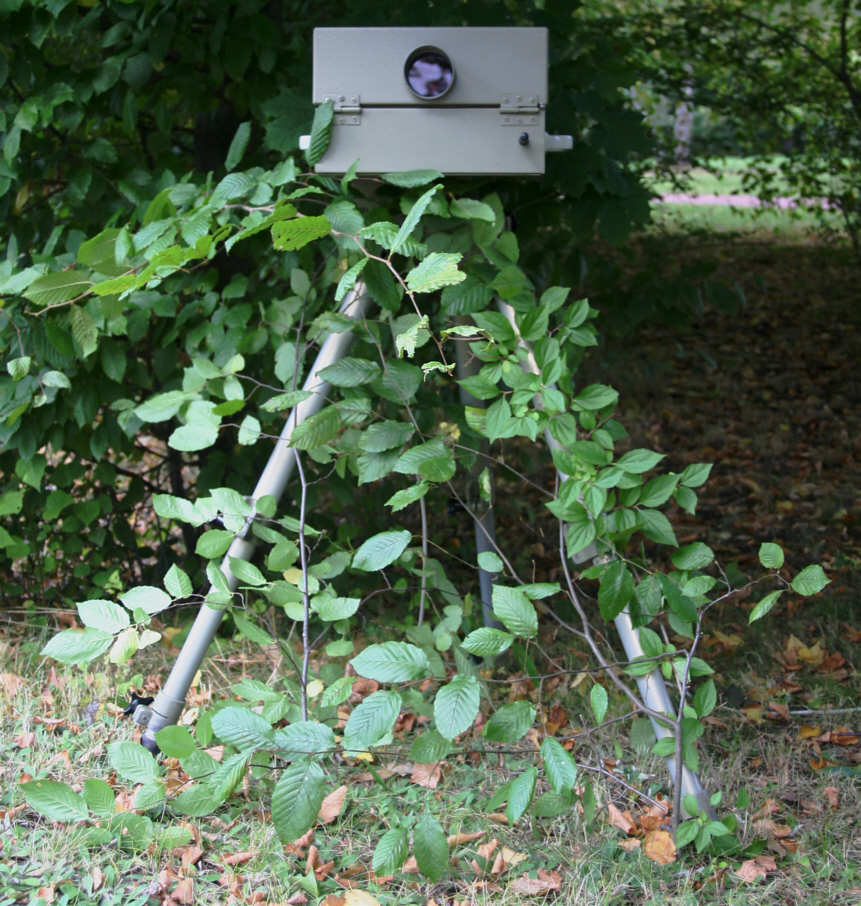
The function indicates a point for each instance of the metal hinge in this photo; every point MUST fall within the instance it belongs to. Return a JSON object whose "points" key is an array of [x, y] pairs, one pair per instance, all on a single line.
{"points": [[519, 110], [348, 108]]}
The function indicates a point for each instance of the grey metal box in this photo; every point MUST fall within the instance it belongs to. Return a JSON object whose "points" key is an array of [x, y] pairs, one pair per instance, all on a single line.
{"points": [[489, 121]]}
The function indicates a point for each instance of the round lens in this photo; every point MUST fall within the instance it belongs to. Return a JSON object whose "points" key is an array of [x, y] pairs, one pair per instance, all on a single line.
{"points": [[429, 73]]}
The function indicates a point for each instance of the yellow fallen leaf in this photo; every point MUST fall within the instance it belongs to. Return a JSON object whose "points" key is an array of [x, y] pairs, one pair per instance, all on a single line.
{"points": [[658, 846], [360, 898]]}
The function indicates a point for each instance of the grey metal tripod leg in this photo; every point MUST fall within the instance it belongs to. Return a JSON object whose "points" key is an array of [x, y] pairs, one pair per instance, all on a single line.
{"points": [[467, 365], [652, 687], [170, 701]]}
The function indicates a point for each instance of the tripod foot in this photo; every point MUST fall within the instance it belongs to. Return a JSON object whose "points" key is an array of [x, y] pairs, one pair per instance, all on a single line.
{"points": [[151, 745]]}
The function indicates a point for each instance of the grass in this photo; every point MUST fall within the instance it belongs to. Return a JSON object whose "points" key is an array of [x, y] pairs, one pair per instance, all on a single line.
{"points": [[58, 726]]}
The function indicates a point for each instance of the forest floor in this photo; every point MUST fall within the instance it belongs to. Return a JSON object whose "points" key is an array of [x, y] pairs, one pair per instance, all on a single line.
{"points": [[770, 393]]}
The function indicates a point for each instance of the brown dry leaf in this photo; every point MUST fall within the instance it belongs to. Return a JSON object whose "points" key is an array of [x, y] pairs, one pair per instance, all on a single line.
{"points": [[427, 775], [332, 900], [544, 883], [511, 857], [296, 847], [630, 843], [362, 686], [183, 892], [10, 683], [97, 876], [621, 820], [832, 795], [411, 866], [48, 894], [357, 897], [658, 846], [332, 805], [843, 736], [486, 850], [769, 807], [190, 855], [498, 817], [25, 739], [813, 656], [456, 839], [750, 871], [238, 858], [499, 865], [808, 732]]}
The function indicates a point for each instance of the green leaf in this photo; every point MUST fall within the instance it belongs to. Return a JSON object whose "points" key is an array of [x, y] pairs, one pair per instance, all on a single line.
{"points": [[133, 762], [169, 507], [431, 746], [678, 603], [439, 269], [149, 796], [658, 490], [330, 608], [175, 741], [384, 435], [73, 646], [58, 287], [510, 722], [251, 630], [317, 430], [100, 797], [598, 700], [810, 581], [352, 372], [391, 851], [291, 235], [196, 801], [430, 847], [412, 219], [241, 728], [19, 368], [321, 134], [695, 474], [348, 280], [490, 562], [655, 526], [559, 765], [705, 698], [470, 209], [597, 396], [213, 543], [693, 556], [162, 406], [764, 605], [616, 589], [238, 145], [246, 572], [515, 610], [405, 497], [249, 431], [103, 615], [296, 799], [410, 179], [177, 583], [371, 720], [456, 706], [305, 737], [771, 555], [147, 597], [380, 550], [520, 794], [635, 462], [487, 641], [391, 662], [83, 329], [339, 691], [56, 801]]}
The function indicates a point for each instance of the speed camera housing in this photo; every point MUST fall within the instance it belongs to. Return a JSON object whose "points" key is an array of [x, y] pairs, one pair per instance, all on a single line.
{"points": [[459, 100]]}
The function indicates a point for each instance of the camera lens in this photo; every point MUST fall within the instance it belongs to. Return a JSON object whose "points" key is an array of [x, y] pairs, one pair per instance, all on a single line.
{"points": [[429, 73]]}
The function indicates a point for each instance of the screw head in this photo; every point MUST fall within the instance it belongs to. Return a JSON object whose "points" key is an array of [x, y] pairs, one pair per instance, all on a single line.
{"points": [[523, 139]]}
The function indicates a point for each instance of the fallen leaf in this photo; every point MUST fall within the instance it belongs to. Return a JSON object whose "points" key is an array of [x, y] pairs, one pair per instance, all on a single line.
{"points": [[630, 843], [357, 897], [831, 794], [427, 775], [11, 683], [808, 732], [544, 883], [331, 806], [332, 900], [621, 820], [658, 846], [498, 817], [511, 857], [456, 839], [750, 871], [47, 893], [183, 892], [238, 858], [411, 866], [25, 739], [486, 850], [97, 876]]}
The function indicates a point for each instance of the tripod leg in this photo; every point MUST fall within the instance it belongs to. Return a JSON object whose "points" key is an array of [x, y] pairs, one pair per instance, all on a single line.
{"points": [[652, 687], [482, 508], [170, 701]]}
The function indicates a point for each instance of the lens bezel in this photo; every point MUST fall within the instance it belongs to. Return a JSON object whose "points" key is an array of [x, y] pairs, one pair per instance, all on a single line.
{"points": [[444, 61]]}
